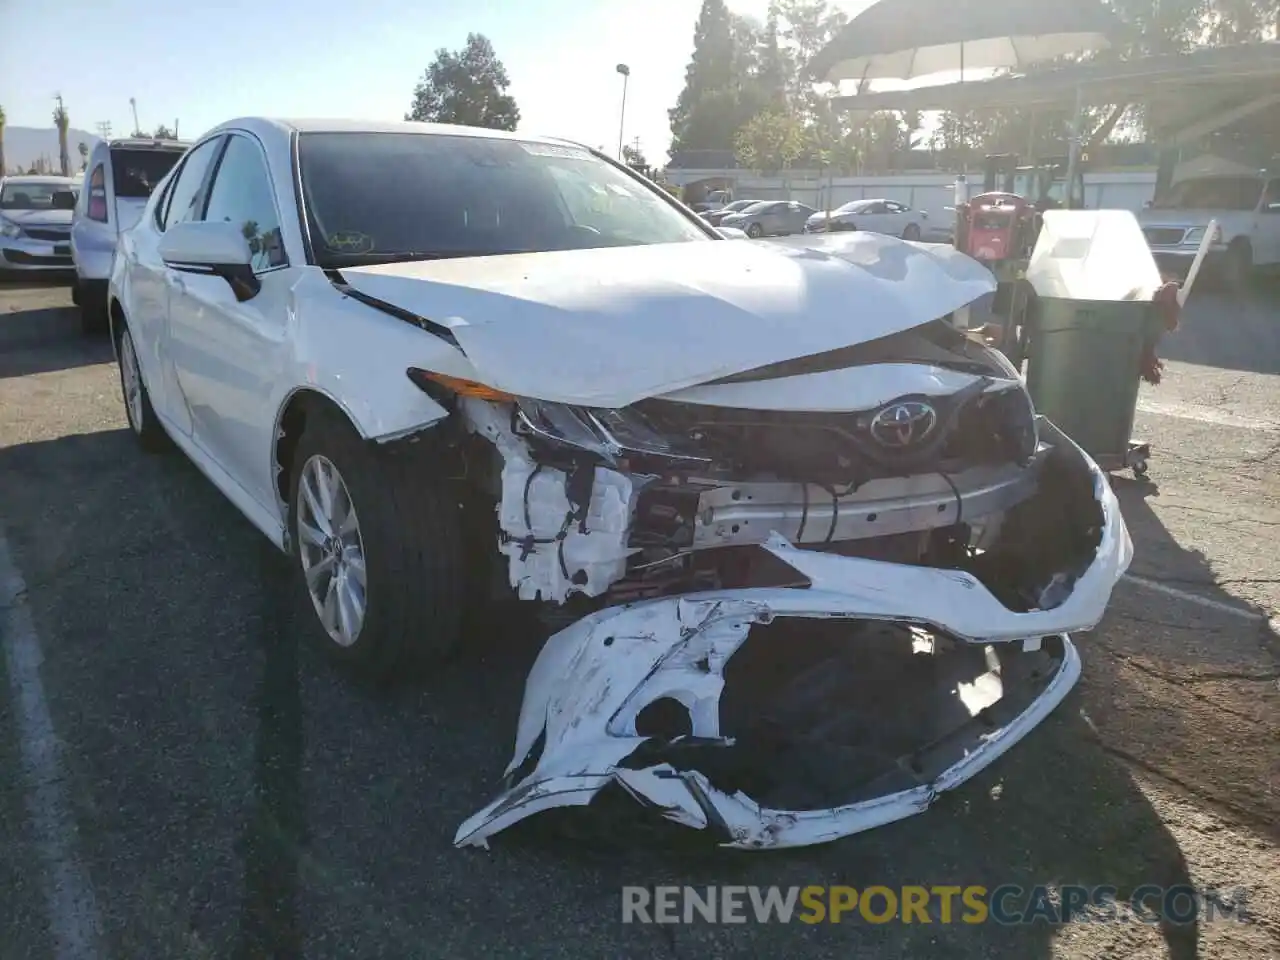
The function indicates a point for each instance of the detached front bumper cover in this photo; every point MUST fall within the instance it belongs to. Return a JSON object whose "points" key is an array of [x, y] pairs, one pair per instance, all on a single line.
{"points": [[593, 679]]}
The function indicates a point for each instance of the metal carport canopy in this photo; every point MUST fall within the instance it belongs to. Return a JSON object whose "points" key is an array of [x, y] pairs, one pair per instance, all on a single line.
{"points": [[1190, 94]]}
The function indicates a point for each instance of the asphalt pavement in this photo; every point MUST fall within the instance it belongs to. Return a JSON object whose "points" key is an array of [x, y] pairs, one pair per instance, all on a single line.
{"points": [[180, 777]]}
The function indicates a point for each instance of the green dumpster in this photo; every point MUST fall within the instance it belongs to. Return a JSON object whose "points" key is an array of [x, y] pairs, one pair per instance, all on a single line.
{"points": [[1083, 370], [1091, 324]]}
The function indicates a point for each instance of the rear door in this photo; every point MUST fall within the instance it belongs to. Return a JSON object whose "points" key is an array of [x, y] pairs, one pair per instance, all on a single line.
{"points": [[152, 283], [135, 172]]}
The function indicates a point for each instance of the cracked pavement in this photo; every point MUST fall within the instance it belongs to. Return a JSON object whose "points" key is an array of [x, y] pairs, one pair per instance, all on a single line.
{"points": [[234, 796]]}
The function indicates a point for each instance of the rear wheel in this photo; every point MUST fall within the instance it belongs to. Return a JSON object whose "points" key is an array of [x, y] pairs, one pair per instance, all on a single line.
{"points": [[91, 297], [379, 550], [137, 402]]}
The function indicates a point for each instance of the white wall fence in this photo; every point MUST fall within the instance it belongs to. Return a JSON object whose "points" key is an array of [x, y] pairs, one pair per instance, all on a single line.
{"points": [[931, 192]]}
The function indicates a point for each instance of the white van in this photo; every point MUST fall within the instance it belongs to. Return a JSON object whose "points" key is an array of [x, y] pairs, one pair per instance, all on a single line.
{"points": [[118, 180]]}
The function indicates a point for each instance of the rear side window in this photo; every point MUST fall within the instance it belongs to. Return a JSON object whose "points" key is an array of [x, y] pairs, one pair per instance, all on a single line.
{"points": [[135, 173]]}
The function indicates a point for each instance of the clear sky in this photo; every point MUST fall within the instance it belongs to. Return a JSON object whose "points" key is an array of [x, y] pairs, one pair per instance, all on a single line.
{"points": [[201, 64]]}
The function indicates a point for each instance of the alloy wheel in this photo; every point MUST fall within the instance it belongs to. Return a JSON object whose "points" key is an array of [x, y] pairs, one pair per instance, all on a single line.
{"points": [[131, 382], [331, 550]]}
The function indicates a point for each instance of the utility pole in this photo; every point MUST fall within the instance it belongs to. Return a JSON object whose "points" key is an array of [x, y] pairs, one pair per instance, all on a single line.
{"points": [[133, 105], [625, 70], [104, 129]]}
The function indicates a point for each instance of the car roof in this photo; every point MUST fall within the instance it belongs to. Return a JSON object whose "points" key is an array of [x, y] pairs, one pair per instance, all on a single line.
{"points": [[269, 126], [39, 179], [148, 143]]}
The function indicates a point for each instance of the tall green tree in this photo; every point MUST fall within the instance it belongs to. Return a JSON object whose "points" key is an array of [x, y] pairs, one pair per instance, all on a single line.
{"points": [[467, 87], [163, 133], [774, 66], [770, 142], [710, 74]]}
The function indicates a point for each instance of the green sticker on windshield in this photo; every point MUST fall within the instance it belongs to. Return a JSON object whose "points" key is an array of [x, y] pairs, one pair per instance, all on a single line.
{"points": [[349, 241]]}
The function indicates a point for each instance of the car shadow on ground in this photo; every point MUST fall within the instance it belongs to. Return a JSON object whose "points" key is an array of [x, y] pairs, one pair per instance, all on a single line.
{"points": [[238, 795], [1232, 332], [45, 339], [1184, 691]]}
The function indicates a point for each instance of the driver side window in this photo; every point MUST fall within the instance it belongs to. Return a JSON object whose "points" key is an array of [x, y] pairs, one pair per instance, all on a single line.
{"points": [[242, 195]]}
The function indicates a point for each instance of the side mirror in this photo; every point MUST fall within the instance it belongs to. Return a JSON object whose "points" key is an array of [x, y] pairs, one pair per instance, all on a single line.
{"points": [[63, 200], [212, 247]]}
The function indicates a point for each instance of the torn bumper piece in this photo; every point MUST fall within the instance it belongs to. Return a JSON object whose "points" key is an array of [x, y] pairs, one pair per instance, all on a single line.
{"points": [[578, 730]]}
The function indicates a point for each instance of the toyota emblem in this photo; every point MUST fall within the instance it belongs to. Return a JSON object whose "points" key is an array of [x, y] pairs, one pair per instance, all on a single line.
{"points": [[903, 424]]}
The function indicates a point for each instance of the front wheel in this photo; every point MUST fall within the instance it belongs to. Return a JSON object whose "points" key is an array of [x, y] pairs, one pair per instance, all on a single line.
{"points": [[755, 231], [378, 546], [912, 232]]}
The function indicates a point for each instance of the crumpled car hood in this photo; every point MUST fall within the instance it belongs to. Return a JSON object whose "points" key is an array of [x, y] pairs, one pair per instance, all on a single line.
{"points": [[609, 327]]}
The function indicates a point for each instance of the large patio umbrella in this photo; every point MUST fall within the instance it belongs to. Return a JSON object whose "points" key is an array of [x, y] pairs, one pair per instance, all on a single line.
{"points": [[907, 39]]}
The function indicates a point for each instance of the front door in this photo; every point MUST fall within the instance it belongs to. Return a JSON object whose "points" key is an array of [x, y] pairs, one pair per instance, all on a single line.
{"points": [[229, 352]]}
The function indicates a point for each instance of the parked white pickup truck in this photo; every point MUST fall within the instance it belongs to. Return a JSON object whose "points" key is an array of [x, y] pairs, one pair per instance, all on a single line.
{"points": [[1247, 209]]}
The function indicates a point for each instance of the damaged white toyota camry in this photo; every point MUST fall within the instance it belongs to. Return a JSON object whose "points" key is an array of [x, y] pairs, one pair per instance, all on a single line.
{"points": [[825, 556]]}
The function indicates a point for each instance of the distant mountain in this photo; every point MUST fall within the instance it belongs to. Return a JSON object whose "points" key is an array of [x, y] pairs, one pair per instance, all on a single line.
{"points": [[23, 146]]}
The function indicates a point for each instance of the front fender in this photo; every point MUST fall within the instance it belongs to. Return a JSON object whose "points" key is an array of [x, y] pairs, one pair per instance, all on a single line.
{"points": [[357, 356]]}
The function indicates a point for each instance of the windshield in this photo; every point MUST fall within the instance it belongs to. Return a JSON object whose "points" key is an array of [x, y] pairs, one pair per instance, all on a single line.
{"points": [[739, 205], [758, 207], [853, 207], [1212, 193], [135, 173], [32, 196], [374, 197]]}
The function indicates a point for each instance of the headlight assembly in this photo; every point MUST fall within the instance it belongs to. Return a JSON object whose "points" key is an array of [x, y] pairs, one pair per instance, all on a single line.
{"points": [[607, 433], [9, 229]]}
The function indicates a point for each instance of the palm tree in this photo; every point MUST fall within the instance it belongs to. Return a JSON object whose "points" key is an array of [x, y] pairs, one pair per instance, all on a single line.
{"points": [[2, 168], [61, 120]]}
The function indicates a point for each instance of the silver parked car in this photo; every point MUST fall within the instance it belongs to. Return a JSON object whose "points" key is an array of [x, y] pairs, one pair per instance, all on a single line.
{"points": [[35, 223], [714, 217], [875, 216], [770, 218], [118, 181]]}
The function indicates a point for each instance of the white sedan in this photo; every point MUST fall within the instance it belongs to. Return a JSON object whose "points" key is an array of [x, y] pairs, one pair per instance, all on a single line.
{"points": [[405, 352], [876, 216]]}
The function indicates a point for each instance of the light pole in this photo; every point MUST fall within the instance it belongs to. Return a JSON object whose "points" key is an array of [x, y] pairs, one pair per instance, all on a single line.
{"points": [[623, 69]]}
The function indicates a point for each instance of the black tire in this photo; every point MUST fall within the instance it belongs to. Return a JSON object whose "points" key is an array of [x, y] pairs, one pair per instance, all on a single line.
{"points": [[92, 301], [912, 232], [141, 416], [1237, 267], [755, 231], [410, 535]]}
